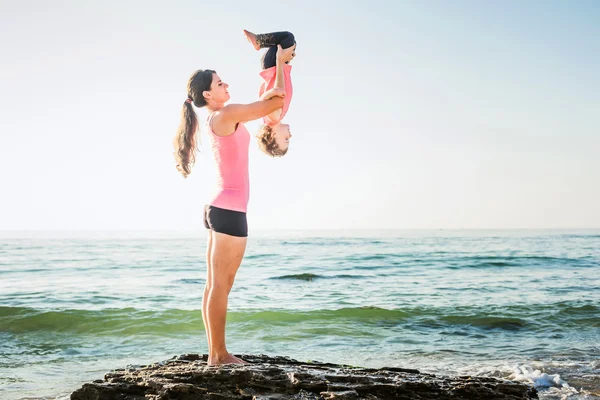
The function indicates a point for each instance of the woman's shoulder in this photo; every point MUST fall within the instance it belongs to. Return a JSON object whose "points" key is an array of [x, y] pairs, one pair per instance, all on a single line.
{"points": [[221, 124]]}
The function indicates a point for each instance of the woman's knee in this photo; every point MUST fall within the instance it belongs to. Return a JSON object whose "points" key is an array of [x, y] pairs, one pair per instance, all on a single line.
{"points": [[222, 282], [220, 290]]}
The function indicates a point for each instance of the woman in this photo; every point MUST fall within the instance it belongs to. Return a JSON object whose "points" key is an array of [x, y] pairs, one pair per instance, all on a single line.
{"points": [[274, 136], [225, 215]]}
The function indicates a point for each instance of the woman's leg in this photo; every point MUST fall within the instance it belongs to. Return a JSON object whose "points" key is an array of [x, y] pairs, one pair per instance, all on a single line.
{"points": [[226, 256], [207, 286]]}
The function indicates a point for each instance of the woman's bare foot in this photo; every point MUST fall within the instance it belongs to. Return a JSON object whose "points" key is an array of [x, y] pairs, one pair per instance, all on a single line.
{"points": [[241, 361], [252, 39], [228, 359]]}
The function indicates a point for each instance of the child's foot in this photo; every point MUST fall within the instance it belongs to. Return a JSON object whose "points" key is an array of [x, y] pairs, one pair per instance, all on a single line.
{"points": [[252, 39]]}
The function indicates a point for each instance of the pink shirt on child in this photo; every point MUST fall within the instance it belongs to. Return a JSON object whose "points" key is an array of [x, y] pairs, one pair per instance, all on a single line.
{"points": [[268, 76]]}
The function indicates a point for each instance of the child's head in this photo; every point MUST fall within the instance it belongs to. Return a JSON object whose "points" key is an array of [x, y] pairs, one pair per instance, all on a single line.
{"points": [[274, 140]]}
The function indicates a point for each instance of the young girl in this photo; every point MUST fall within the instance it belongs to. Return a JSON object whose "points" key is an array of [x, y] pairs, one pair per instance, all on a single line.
{"points": [[273, 136]]}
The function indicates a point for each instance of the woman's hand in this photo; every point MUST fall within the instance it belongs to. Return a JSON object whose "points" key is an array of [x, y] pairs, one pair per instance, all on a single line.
{"points": [[285, 55]]}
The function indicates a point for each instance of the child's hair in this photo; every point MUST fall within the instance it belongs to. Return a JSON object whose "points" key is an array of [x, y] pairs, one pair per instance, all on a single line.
{"points": [[267, 143], [185, 139]]}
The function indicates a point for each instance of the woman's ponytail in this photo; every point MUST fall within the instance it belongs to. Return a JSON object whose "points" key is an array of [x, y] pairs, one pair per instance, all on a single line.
{"points": [[185, 141]]}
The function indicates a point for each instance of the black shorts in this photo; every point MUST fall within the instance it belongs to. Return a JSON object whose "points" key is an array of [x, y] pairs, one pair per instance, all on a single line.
{"points": [[229, 222]]}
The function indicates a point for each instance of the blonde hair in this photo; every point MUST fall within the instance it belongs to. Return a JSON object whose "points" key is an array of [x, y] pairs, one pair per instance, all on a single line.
{"points": [[267, 143]]}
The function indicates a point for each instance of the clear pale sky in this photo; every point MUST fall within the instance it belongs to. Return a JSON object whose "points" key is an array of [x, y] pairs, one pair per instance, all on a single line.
{"points": [[406, 114]]}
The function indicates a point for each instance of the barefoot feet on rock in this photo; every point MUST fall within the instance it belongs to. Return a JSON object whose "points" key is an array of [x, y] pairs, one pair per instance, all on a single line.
{"points": [[241, 361], [227, 359]]}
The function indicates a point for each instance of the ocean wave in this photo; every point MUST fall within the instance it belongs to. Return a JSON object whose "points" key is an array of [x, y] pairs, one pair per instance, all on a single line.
{"points": [[130, 321], [261, 256], [194, 281], [301, 243], [123, 321], [487, 322], [368, 257], [580, 236], [320, 242], [476, 262], [300, 277], [310, 277]]}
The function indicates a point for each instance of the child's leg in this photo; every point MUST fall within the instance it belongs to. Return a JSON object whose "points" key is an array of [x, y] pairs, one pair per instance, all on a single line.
{"points": [[285, 39], [271, 40]]}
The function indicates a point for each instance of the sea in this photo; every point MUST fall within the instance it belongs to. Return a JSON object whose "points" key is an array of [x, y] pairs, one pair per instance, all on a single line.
{"points": [[514, 304]]}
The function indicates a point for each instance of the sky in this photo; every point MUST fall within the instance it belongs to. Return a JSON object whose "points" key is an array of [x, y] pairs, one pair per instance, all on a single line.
{"points": [[405, 115]]}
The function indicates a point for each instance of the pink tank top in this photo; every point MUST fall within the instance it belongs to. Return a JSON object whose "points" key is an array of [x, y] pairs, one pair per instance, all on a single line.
{"points": [[268, 76], [231, 156]]}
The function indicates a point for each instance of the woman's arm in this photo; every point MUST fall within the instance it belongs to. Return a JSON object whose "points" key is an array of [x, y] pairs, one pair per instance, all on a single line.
{"points": [[225, 121]]}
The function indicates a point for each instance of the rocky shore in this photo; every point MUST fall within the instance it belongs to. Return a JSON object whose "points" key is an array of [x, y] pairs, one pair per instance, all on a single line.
{"points": [[188, 377]]}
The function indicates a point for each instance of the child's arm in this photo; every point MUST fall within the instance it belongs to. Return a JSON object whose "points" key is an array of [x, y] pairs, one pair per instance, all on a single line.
{"points": [[282, 57]]}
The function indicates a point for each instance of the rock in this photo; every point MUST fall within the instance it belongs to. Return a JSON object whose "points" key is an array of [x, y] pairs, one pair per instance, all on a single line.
{"points": [[188, 377]]}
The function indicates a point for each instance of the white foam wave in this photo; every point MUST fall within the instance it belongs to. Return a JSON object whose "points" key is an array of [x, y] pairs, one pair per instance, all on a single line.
{"points": [[539, 379], [550, 386]]}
